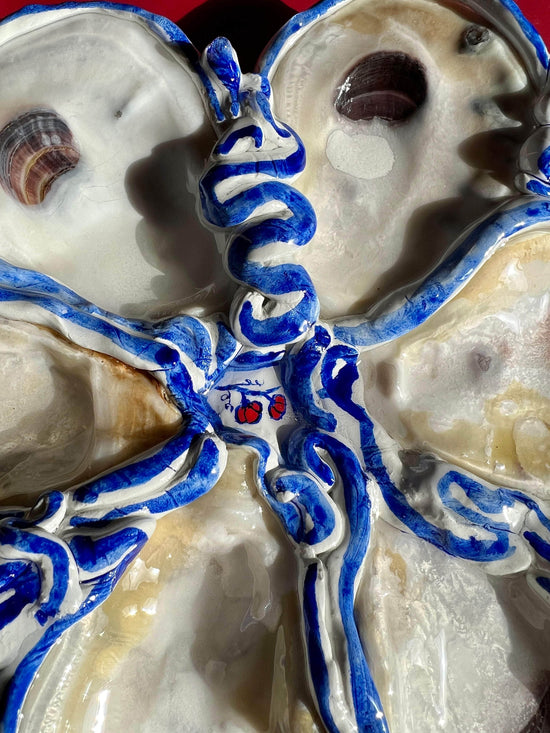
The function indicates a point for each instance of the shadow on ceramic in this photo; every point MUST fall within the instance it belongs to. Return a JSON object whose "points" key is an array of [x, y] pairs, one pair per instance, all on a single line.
{"points": [[79, 214], [413, 114]]}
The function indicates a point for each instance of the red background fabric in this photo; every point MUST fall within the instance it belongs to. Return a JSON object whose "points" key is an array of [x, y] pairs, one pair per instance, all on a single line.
{"points": [[265, 13]]}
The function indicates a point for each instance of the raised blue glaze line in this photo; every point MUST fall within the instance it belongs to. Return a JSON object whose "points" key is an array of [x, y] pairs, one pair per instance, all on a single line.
{"points": [[147, 349], [470, 548], [538, 544], [304, 453], [452, 274], [297, 377], [236, 209], [253, 132], [201, 477], [31, 543], [294, 226], [24, 579], [170, 31], [538, 187], [11, 571], [299, 23], [295, 25], [183, 333], [367, 704], [137, 337], [530, 503], [103, 552], [317, 664], [478, 494], [251, 360], [300, 452], [490, 500], [529, 31], [543, 162], [142, 471], [14, 694], [309, 505], [33, 286], [221, 59]]}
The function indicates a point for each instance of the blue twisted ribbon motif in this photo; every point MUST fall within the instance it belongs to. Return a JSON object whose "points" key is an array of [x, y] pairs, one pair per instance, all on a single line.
{"points": [[313, 483], [322, 499], [243, 192], [62, 557], [505, 529]]}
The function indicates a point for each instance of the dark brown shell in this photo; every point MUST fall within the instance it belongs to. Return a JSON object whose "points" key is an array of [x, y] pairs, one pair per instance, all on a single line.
{"points": [[35, 149], [389, 85]]}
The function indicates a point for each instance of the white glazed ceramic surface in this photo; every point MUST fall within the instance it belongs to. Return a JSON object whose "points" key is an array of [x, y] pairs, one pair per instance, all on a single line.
{"points": [[121, 228], [324, 508], [436, 172]]}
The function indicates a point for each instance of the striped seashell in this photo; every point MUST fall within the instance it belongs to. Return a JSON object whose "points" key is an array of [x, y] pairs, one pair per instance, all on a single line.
{"points": [[35, 149]]}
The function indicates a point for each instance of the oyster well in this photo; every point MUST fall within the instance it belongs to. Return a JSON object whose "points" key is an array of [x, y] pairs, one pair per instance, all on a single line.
{"points": [[469, 388], [68, 413], [35, 149], [472, 384], [109, 119], [228, 659], [412, 115]]}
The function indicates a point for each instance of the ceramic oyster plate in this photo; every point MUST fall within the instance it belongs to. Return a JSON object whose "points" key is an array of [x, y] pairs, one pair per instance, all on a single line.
{"points": [[398, 440]]}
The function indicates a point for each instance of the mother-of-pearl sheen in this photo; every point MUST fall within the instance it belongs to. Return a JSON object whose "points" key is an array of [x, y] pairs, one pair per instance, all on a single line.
{"points": [[472, 384], [439, 182], [361, 156], [201, 634], [230, 657], [67, 413], [446, 642], [121, 228]]}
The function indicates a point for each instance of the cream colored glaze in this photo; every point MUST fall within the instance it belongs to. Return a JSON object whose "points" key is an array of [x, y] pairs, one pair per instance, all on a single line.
{"points": [[202, 632], [472, 384], [377, 235], [121, 228], [68, 413], [450, 649]]}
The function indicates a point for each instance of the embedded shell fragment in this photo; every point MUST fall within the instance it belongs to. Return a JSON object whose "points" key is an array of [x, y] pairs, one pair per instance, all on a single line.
{"points": [[35, 149], [405, 107], [219, 561], [385, 85], [120, 227]]}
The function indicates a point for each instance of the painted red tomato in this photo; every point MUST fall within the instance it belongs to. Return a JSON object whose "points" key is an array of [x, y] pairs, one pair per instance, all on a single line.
{"points": [[277, 407], [249, 413]]}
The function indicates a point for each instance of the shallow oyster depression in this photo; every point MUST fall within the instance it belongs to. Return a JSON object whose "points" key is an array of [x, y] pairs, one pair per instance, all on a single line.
{"points": [[258, 520], [202, 632], [409, 102], [68, 413], [111, 213]]}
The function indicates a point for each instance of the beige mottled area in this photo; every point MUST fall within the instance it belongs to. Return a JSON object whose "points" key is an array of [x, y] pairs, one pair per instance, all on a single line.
{"points": [[450, 649], [472, 384], [202, 632], [431, 176], [68, 413]]}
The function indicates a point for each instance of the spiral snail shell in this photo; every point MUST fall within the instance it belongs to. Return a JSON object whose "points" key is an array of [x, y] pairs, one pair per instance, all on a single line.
{"points": [[35, 149]]}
